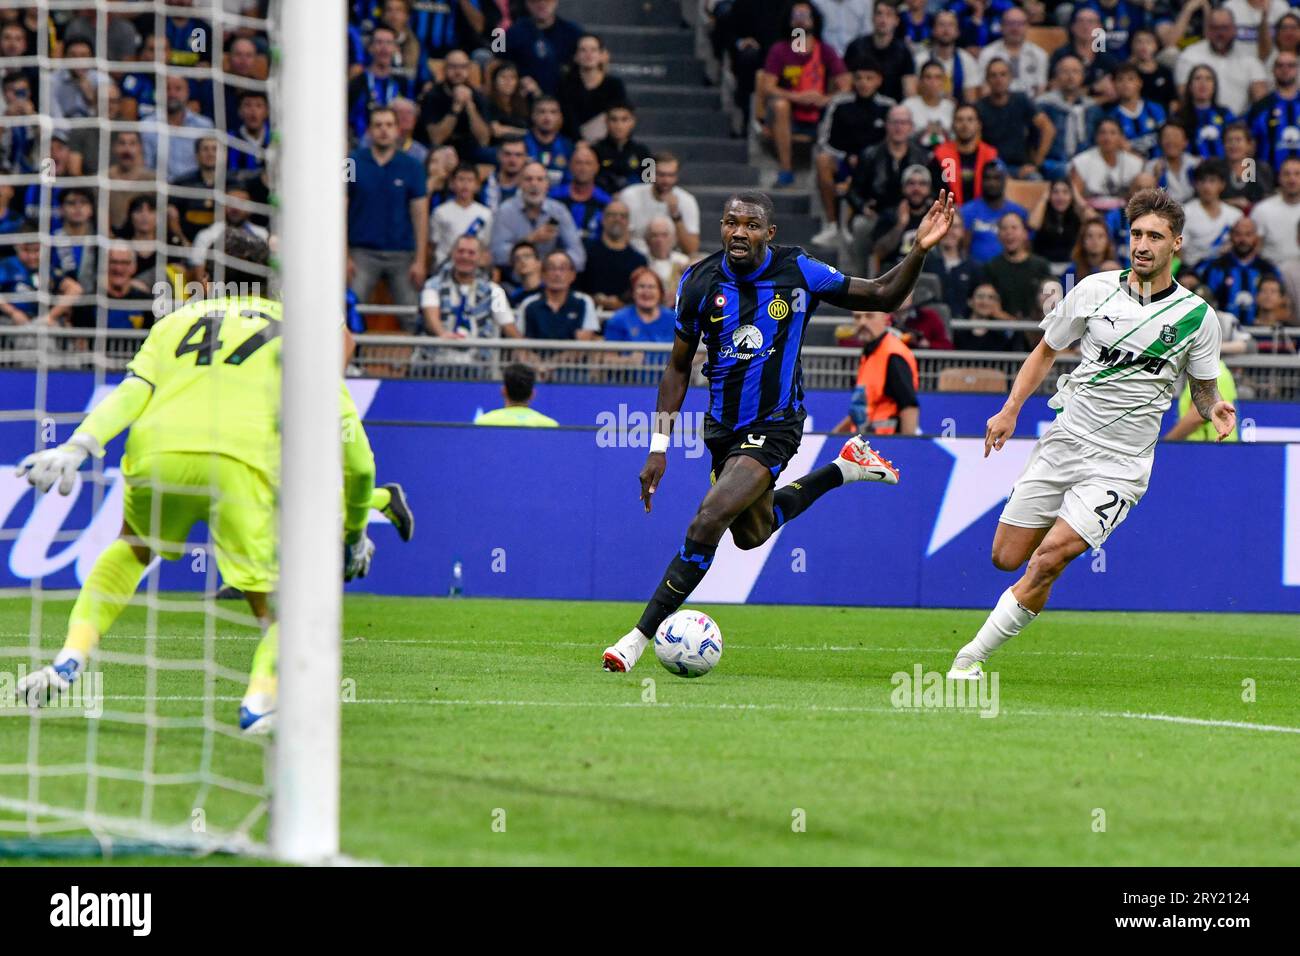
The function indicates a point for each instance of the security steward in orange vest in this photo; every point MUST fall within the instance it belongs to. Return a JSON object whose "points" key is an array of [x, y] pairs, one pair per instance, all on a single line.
{"points": [[884, 401]]}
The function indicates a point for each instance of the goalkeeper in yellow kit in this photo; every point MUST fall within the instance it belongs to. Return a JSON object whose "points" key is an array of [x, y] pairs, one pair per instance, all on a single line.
{"points": [[202, 404]]}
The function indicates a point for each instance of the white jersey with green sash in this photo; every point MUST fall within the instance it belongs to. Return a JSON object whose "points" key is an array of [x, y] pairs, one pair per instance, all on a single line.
{"points": [[1133, 353]]}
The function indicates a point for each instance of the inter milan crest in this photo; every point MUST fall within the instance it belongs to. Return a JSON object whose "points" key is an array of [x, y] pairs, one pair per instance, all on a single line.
{"points": [[778, 308], [1168, 335]]}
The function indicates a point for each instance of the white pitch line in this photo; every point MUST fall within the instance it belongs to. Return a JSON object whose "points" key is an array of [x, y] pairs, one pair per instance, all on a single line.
{"points": [[749, 648], [813, 648], [1202, 722], [798, 708]]}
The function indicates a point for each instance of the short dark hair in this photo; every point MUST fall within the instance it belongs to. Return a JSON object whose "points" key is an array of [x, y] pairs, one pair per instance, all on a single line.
{"points": [[519, 380], [465, 168], [251, 94], [1156, 201], [245, 247], [1211, 167], [752, 197], [1240, 126], [1109, 121], [376, 109], [139, 202], [85, 192], [521, 244], [1128, 69]]}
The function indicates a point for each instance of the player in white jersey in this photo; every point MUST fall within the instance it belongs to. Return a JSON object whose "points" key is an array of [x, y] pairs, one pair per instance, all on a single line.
{"points": [[1138, 332]]}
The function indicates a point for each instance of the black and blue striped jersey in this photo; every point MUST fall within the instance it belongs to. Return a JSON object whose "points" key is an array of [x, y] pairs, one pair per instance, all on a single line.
{"points": [[753, 328], [1275, 124]]}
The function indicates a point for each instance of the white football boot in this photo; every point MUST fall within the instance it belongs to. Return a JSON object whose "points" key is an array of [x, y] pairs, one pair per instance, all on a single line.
{"points": [[622, 657], [257, 713], [860, 462], [974, 672]]}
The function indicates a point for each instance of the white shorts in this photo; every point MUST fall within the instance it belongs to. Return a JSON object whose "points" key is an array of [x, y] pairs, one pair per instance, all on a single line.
{"points": [[1091, 488]]}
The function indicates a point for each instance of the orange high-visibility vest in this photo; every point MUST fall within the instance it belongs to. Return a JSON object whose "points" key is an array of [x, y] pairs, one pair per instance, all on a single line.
{"points": [[882, 410], [949, 160]]}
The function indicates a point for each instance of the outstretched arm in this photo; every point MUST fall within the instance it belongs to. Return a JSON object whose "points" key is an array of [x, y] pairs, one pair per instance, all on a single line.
{"points": [[889, 291], [110, 418], [115, 414]]}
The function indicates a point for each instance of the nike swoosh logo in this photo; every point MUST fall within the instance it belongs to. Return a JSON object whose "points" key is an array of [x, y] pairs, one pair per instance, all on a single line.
{"points": [[671, 588], [716, 318], [747, 445]]}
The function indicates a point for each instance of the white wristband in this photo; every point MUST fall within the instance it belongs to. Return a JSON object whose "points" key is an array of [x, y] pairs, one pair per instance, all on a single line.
{"points": [[658, 443]]}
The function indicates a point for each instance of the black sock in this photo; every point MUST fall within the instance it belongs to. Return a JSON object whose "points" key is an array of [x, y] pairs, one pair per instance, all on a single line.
{"points": [[685, 572], [795, 498]]}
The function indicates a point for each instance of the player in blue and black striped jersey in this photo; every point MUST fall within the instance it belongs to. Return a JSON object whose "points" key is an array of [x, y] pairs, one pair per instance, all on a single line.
{"points": [[750, 303], [1275, 120]]}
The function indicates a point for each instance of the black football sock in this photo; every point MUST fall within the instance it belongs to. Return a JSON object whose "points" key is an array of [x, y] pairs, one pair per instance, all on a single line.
{"points": [[795, 498], [685, 572]]}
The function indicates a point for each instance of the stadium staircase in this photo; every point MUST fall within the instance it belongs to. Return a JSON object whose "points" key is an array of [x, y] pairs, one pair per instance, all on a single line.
{"points": [[654, 51]]}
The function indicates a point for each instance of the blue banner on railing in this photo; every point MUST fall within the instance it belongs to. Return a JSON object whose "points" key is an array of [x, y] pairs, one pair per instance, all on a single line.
{"points": [[554, 514]]}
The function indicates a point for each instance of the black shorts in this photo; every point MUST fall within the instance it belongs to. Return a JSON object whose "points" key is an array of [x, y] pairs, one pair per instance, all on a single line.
{"points": [[772, 444]]}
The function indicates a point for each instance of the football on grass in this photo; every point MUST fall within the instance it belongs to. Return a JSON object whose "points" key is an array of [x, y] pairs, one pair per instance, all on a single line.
{"points": [[688, 643]]}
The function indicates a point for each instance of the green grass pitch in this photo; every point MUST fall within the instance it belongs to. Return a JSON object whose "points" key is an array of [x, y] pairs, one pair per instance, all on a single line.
{"points": [[484, 732]]}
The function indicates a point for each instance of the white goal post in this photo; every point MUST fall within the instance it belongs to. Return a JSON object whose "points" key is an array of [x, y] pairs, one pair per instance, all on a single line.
{"points": [[312, 146]]}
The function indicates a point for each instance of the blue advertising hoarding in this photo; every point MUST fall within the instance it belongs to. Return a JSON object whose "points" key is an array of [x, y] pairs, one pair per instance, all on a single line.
{"points": [[554, 514]]}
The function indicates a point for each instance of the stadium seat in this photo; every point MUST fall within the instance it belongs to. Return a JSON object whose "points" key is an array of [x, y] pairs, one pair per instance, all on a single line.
{"points": [[972, 379], [1027, 192], [1050, 39], [928, 290]]}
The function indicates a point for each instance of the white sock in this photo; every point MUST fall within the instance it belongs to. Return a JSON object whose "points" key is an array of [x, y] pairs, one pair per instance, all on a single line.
{"points": [[1007, 619], [632, 644]]}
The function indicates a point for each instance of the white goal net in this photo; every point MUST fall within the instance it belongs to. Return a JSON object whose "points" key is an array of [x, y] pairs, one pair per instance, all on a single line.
{"points": [[135, 135]]}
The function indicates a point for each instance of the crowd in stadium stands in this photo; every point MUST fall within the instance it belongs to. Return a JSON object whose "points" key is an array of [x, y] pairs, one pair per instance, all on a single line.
{"points": [[497, 185]]}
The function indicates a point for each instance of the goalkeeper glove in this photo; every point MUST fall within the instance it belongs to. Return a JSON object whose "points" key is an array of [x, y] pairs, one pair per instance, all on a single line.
{"points": [[356, 558], [43, 468]]}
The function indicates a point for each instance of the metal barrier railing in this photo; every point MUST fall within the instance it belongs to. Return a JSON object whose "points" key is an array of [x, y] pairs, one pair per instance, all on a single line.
{"points": [[825, 367], [421, 357]]}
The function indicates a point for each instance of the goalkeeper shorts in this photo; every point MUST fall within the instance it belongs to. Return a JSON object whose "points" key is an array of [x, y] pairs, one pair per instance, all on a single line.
{"points": [[167, 493]]}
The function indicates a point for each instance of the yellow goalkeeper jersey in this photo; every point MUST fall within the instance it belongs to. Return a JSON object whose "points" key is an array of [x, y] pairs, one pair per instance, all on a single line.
{"points": [[215, 371]]}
